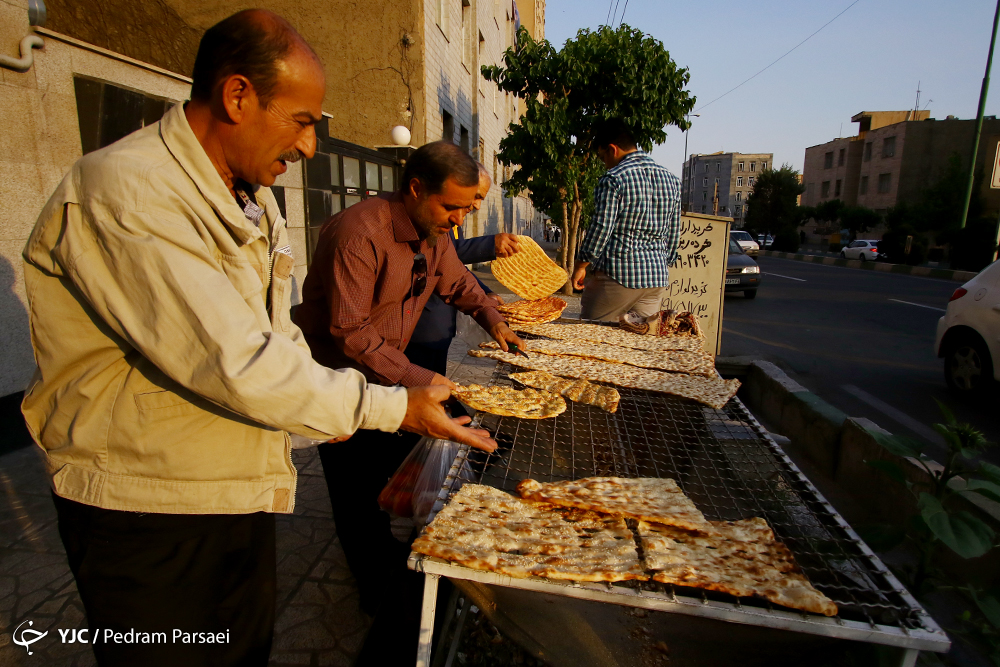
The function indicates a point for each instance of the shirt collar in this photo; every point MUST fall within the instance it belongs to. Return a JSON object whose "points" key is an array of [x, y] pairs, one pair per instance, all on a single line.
{"points": [[187, 150], [403, 229]]}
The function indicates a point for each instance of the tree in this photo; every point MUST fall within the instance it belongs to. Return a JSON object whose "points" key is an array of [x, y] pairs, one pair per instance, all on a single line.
{"points": [[772, 206], [859, 219], [597, 76]]}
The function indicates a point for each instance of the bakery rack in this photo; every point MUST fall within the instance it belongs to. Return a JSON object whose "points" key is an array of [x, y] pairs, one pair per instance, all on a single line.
{"points": [[732, 469]]}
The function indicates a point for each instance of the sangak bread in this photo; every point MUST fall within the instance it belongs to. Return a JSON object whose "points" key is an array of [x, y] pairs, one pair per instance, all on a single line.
{"points": [[712, 391], [649, 498], [596, 333], [675, 361], [487, 529], [740, 558], [578, 391], [511, 402], [679, 323], [533, 312], [529, 273]]}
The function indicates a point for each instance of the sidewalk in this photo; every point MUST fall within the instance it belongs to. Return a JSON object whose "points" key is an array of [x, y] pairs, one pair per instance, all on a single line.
{"points": [[318, 622]]}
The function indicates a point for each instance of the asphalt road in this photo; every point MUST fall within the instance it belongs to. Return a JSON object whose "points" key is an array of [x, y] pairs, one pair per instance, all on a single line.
{"points": [[862, 340]]}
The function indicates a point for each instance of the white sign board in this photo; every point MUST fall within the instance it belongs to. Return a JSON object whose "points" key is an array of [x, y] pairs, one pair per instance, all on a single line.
{"points": [[995, 181], [698, 276]]}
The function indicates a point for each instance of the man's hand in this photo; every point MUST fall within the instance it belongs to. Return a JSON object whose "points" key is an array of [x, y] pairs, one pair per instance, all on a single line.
{"points": [[425, 415], [496, 297], [579, 273], [442, 381], [502, 334], [506, 244]]}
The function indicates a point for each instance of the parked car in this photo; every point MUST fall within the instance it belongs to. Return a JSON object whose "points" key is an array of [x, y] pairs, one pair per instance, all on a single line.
{"points": [[746, 242], [968, 336], [765, 240], [863, 250], [742, 273]]}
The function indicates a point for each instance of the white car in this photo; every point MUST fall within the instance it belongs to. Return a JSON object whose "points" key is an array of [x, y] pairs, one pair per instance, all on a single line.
{"points": [[746, 242], [863, 250], [968, 336]]}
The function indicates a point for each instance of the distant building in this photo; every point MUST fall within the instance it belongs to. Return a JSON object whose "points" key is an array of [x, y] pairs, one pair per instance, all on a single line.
{"points": [[721, 183], [895, 155]]}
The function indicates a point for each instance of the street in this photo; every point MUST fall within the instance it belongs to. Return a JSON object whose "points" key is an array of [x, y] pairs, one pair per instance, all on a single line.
{"points": [[861, 340]]}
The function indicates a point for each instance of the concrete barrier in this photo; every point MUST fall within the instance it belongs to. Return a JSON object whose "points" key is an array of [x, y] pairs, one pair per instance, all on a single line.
{"points": [[905, 269]]}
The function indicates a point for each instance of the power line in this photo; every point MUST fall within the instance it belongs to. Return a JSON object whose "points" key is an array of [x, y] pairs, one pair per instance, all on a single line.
{"points": [[779, 58], [622, 17], [614, 12], [607, 21]]}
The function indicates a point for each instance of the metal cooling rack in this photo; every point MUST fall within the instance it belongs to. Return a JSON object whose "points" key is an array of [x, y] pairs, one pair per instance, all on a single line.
{"points": [[732, 469]]}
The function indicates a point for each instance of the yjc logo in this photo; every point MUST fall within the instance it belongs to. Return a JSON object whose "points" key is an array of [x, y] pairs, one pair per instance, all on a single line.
{"points": [[27, 636]]}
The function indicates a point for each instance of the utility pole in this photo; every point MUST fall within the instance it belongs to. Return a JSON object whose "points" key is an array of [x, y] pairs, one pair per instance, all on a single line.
{"points": [[979, 119], [690, 183]]}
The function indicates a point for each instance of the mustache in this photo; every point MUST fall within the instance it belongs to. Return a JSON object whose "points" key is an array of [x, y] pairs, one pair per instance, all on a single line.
{"points": [[290, 156]]}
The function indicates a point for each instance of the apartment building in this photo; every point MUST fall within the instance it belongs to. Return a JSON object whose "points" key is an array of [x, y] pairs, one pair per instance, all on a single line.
{"points": [[894, 156], [109, 67], [721, 183]]}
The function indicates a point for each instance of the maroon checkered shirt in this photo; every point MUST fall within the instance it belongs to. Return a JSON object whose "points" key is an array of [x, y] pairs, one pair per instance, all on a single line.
{"points": [[356, 306]]}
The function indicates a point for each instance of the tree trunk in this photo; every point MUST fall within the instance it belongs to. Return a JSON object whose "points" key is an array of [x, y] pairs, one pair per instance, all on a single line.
{"points": [[572, 240]]}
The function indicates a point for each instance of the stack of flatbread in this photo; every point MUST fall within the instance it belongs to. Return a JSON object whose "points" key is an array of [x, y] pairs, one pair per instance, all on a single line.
{"points": [[529, 273], [538, 311], [578, 391], [510, 402], [577, 530]]}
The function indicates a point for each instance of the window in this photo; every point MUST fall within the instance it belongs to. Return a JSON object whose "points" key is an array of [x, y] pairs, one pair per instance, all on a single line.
{"points": [[739, 196], [750, 181], [704, 195], [739, 181], [740, 167], [442, 16], [763, 166], [836, 188], [753, 166], [463, 140], [718, 166], [884, 183], [825, 190], [888, 147], [868, 152], [107, 113], [704, 181], [840, 157], [863, 187], [468, 35], [706, 166], [738, 208], [447, 127], [828, 160]]}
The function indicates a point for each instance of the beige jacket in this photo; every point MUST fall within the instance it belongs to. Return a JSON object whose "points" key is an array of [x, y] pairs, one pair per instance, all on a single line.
{"points": [[164, 382]]}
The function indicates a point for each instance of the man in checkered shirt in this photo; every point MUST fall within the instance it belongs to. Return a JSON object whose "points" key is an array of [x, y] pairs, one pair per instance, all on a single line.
{"points": [[633, 236]]}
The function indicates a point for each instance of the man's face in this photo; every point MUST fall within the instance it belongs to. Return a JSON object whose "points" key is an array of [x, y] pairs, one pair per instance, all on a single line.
{"points": [[607, 155], [269, 138], [435, 214], [484, 189]]}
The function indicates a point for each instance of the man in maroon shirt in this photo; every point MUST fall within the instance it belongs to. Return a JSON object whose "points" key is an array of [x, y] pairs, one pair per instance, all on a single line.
{"points": [[375, 266]]}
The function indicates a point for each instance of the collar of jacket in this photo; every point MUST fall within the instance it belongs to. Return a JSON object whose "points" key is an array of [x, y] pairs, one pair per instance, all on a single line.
{"points": [[403, 229], [634, 156], [187, 150]]}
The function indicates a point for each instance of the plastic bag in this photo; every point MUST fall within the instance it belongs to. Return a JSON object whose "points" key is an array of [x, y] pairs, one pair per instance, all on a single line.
{"points": [[416, 484]]}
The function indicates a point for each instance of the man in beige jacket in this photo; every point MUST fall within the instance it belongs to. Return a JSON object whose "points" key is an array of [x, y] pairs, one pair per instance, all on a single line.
{"points": [[169, 372]]}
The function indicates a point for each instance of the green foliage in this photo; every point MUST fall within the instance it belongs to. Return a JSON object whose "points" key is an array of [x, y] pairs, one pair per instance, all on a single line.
{"points": [[893, 244], [596, 76], [937, 521], [772, 208], [859, 219], [972, 247]]}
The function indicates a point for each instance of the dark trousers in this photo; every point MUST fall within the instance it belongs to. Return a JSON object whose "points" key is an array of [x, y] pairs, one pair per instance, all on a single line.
{"points": [[431, 358], [166, 572], [356, 471]]}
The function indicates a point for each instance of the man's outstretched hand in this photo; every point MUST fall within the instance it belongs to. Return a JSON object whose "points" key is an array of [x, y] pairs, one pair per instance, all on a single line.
{"points": [[503, 335], [506, 244], [425, 415]]}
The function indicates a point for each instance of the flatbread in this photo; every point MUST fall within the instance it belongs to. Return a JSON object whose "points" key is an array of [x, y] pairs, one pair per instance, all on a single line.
{"points": [[675, 361], [510, 402], [487, 529], [653, 499], [596, 333], [529, 273], [712, 391], [740, 558], [578, 391], [679, 323], [537, 311]]}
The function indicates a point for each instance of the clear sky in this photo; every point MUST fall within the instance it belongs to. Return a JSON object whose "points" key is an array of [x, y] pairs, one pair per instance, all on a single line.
{"points": [[869, 59]]}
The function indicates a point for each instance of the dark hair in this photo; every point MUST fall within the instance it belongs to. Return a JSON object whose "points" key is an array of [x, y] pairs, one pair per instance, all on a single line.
{"points": [[435, 162], [251, 43], [613, 131]]}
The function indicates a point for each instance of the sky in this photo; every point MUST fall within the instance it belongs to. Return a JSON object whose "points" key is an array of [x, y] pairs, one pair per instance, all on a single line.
{"points": [[869, 59]]}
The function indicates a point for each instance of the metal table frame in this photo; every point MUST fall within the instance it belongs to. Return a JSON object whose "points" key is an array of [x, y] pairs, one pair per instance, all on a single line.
{"points": [[928, 636]]}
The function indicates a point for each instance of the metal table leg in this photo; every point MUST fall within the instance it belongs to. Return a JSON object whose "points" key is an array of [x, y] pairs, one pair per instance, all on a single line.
{"points": [[425, 642], [909, 657]]}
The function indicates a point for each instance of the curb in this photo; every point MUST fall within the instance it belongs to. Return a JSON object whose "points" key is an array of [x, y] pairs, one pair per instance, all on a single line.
{"points": [[904, 269], [840, 447]]}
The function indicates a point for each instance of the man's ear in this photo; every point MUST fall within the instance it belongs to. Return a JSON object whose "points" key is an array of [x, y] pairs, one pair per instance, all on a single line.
{"points": [[238, 96], [415, 188]]}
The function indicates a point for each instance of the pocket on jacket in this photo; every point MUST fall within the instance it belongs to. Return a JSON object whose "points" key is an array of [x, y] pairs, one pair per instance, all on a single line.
{"points": [[159, 400]]}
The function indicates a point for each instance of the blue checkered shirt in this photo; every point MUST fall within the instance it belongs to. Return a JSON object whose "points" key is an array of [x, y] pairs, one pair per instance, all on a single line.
{"points": [[635, 230]]}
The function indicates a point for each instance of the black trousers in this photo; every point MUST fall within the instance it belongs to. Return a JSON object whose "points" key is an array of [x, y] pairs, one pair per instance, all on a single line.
{"points": [[431, 358], [170, 572]]}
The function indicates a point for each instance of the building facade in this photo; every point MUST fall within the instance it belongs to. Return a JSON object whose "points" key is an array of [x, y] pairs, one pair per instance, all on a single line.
{"points": [[109, 67], [720, 183], [894, 157]]}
